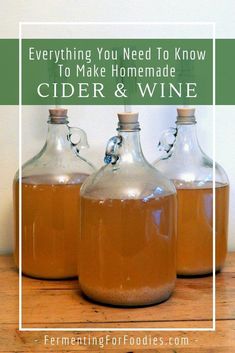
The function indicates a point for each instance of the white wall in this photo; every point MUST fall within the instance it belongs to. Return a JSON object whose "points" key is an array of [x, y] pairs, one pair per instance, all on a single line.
{"points": [[99, 121]]}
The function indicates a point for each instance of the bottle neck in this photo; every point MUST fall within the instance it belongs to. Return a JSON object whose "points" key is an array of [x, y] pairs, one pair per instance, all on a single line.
{"points": [[186, 140], [130, 150], [57, 138]]}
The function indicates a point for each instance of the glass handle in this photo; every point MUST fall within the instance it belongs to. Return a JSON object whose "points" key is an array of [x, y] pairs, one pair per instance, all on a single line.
{"points": [[167, 140], [77, 138], [111, 155]]}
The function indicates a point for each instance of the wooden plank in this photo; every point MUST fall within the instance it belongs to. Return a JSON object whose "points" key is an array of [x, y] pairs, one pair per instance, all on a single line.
{"points": [[9, 308], [223, 340], [190, 293], [193, 300], [132, 325], [158, 350]]}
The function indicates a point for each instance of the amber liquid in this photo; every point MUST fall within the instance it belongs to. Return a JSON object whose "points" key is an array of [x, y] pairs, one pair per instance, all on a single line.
{"points": [[128, 250], [50, 226], [195, 229]]}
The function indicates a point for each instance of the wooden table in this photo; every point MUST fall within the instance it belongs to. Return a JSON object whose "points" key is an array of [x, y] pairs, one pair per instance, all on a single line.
{"points": [[53, 304]]}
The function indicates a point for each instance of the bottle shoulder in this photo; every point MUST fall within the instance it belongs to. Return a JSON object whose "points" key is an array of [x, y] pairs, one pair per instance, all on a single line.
{"points": [[60, 168], [127, 182], [198, 167]]}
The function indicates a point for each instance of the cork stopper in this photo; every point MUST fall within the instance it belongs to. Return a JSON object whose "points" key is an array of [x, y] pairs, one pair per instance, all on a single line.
{"points": [[128, 121], [186, 115], [58, 112], [128, 117], [58, 115]]}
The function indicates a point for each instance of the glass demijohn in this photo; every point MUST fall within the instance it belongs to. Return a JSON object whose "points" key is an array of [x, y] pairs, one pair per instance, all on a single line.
{"points": [[128, 226], [191, 170], [50, 187]]}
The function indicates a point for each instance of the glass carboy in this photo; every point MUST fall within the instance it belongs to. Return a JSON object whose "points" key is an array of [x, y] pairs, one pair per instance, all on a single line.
{"points": [[50, 191], [191, 170], [128, 226]]}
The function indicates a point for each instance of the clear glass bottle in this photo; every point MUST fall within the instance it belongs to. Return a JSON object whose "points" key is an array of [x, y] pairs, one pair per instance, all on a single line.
{"points": [[51, 184], [191, 170], [128, 226]]}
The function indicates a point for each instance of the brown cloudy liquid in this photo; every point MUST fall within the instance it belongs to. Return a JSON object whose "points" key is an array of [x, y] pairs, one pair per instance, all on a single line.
{"points": [[195, 229], [128, 250], [50, 226]]}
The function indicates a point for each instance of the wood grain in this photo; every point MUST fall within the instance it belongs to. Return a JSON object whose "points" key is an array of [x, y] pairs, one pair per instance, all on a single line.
{"points": [[223, 340], [191, 301], [59, 303]]}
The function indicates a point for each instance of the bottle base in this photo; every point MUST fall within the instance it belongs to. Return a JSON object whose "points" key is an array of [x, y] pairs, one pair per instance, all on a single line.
{"points": [[195, 274], [49, 277], [128, 298]]}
